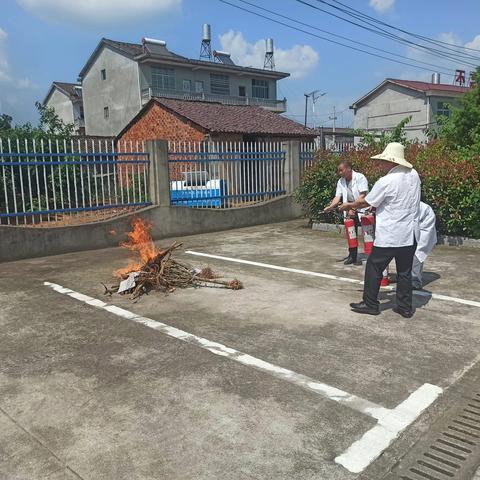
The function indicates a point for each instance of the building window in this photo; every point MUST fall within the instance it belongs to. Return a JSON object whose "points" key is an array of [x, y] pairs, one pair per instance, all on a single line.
{"points": [[103, 74], [163, 78], [82, 115], [241, 91], [259, 88], [106, 112], [219, 84], [199, 86], [443, 109], [187, 85]]}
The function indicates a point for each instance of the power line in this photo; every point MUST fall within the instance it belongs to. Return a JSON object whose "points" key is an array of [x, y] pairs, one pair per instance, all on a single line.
{"points": [[338, 36], [416, 35], [384, 33], [328, 39]]}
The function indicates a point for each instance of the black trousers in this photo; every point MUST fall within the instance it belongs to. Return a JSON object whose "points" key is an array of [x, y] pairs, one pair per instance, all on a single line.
{"points": [[377, 262]]}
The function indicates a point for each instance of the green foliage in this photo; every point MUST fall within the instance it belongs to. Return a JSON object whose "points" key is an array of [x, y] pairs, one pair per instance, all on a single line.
{"points": [[450, 184], [462, 129], [380, 141], [49, 125]]}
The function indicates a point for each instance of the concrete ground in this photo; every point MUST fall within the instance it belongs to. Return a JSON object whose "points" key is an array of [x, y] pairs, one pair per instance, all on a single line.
{"points": [[87, 394]]}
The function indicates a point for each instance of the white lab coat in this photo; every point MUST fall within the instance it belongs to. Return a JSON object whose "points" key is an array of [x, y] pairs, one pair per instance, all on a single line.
{"points": [[428, 232], [359, 185], [396, 197]]}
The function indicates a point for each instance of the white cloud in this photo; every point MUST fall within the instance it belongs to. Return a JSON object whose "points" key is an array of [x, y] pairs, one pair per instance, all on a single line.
{"points": [[297, 60], [447, 64], [17, 103], [4, 66], [382, 6], [475, 43], [98, 12]]}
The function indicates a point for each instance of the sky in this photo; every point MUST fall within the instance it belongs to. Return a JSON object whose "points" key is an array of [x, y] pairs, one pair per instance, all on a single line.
{"points": [[46, 40]]}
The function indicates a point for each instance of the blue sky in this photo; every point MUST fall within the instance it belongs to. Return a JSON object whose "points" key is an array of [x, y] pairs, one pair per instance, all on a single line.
{"points": [[46, 40]]}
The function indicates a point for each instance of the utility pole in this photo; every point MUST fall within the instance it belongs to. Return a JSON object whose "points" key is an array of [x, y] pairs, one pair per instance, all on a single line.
{"points": [[315, 96], [334, 118], [306, 107]]}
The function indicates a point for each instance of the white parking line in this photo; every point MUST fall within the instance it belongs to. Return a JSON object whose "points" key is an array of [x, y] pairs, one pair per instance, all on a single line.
{"points": [[421, 293], [390, 424]]}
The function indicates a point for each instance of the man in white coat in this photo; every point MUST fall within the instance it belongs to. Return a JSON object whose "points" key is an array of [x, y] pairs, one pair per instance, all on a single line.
{"points": [[426, 242], [396, 197], [351, 186]]}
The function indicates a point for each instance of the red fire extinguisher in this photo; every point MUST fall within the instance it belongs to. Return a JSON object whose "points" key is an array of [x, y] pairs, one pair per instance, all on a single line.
{"points": [[351, 233], [368, 228]]}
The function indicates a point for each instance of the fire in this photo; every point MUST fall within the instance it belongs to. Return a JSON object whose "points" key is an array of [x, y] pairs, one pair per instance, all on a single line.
{"points": [[141, 243]]}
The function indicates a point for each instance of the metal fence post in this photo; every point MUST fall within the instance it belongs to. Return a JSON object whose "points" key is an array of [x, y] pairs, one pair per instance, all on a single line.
{"points": [[292, 165], [159, 173]]}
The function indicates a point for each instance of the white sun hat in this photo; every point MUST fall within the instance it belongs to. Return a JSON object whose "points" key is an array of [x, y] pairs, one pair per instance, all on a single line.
{"points": [[394, 152]]}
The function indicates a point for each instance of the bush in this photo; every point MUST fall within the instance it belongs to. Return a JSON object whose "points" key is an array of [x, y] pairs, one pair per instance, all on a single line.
{"points": [[450, 184]]}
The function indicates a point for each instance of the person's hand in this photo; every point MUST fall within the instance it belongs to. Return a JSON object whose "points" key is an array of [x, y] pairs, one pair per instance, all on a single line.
{"points": [[351, 213], [327, 209], [345, 206]]}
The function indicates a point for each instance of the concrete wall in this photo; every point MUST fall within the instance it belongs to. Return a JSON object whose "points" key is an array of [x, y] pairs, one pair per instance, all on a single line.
{"points": [[19, 242], [120, 92], [62, 104], [389, 106]]}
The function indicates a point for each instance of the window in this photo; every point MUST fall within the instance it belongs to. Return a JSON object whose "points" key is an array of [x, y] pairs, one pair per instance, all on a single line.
{"points": [[259, 88], [163, 78], [219, 84], [106, 112], [82, 115], [103, 74], [198, 86], [187, 86], [241, 91], [442, 109]]}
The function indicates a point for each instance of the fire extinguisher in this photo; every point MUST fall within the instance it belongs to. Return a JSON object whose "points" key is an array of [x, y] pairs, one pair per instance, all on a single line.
{"points": [[351, 233], [368, 228]]}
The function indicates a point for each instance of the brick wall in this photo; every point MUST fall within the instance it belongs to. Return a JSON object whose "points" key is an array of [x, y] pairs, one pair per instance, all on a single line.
{"points": [[158, 123]]}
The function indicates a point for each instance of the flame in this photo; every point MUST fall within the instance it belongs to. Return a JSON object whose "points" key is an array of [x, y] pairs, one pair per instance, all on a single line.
{"points": [[141, 243]]}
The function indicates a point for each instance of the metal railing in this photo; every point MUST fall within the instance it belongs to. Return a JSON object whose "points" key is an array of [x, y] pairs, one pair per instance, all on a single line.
{"points": [[70, 181], [308, 152], [307, 155], [274, 105], [225, 174]]}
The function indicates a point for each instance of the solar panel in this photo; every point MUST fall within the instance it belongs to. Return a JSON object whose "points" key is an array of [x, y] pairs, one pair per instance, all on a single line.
{"points": [[222, 57]]}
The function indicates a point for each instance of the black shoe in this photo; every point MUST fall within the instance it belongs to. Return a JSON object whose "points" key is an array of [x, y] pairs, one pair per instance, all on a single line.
{"points": [[350, 260], [403, 313], [362, 308]]}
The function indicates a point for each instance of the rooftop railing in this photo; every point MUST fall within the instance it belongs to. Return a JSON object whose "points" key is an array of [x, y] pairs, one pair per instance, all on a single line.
{"points": [[278, 106]]}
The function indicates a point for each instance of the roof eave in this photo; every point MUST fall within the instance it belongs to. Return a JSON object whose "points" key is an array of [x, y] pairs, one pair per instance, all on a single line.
{"points": [[145, 58]]}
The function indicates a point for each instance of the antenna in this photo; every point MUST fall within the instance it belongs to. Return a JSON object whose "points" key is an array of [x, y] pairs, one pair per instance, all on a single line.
{"points": [[206, 46], [269, 63]]}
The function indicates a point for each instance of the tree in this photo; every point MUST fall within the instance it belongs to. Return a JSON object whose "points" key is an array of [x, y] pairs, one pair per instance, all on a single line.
{"points": [[49, 124], [462, 128], [380, 141]]}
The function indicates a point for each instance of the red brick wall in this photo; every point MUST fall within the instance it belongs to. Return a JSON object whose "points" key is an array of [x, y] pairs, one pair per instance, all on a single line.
{"points": [[158, 123]]}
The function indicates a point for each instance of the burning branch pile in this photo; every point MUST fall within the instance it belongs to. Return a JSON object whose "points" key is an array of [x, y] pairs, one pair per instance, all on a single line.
{"points": [[158, 270]]}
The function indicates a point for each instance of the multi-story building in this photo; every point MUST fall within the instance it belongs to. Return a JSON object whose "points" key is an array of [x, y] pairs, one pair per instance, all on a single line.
{"points": [[119, 78], [386, 105], [66, 99]]}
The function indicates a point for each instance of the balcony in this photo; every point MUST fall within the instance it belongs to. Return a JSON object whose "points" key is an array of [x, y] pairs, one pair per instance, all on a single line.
{"points": [[278, 106]]}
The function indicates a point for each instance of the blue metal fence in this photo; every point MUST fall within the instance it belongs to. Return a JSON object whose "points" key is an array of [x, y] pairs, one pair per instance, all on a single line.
{"points": [[225, 174], [55, 180]]}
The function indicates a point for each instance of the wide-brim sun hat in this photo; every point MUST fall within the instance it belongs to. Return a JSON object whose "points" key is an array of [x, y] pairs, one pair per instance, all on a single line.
{"points": [[394, 152]]}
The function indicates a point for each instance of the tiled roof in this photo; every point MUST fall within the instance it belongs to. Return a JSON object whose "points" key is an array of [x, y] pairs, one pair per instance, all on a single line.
{"points": [[426, 86], [131, 49], [69, 88], [219, 118]]}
